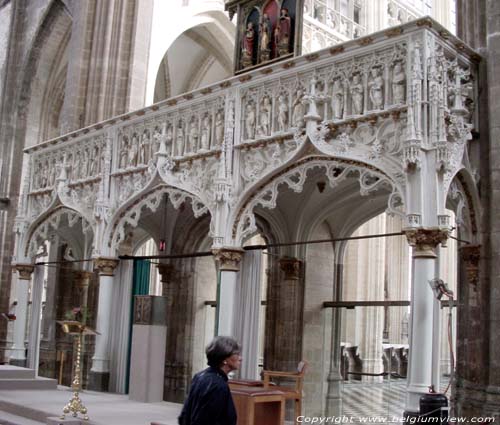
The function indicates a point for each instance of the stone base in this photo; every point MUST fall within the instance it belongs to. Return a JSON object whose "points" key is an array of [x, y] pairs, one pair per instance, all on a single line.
{"points": [[98, 381], [53, 420], [16, 362]]}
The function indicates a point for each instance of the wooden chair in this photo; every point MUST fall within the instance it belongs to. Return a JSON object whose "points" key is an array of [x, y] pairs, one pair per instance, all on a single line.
{"points": [[290, 392]]}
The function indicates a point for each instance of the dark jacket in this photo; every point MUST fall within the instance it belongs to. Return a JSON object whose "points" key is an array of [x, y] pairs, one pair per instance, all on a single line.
{"points": [[209, 401]]}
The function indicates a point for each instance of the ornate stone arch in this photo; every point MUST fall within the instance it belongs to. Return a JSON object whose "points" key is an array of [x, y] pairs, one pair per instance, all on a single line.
{"points": [[50, 223], [294, 176], [130, 213], [462, 197]]}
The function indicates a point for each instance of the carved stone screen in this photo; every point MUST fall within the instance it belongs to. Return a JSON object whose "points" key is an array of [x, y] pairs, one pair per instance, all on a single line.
{"points": [[267, 31]]}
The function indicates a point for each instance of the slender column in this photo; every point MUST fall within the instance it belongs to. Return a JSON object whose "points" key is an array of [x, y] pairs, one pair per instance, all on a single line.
{"points": [[34, 326], [228, 264], [334, 396], [82, 281], [22, 283], [99, 376], [420, 364], [289, 319]]}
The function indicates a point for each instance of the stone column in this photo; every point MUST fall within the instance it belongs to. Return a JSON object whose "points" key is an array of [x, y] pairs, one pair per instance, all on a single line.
{"points": [[228, 262], [167, 272], [288, 350], [34, 325], [334, 393], [22, 283], [99, 374], [420, 364], [82, 282]]}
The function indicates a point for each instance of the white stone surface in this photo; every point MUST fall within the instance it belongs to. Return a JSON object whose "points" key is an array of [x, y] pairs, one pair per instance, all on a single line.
{"points": [[103, 408]]}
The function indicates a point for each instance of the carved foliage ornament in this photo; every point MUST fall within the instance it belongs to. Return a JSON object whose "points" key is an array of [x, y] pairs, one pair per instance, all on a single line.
{"points": [[24, 270], [290, 267], [106, 265], [425, 240], [228, 259]]}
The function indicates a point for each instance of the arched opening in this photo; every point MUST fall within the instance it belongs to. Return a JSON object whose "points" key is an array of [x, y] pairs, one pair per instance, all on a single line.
{"points": [[195, 59]]}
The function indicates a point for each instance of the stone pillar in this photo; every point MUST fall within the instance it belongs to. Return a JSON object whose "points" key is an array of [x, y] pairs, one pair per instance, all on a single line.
{"points": [[82, 282], [420, 365], [167, 272], [334, 393], [228, 263], [290, 299], [22, 283], [99, 374], [34, 325], [470, 255]]}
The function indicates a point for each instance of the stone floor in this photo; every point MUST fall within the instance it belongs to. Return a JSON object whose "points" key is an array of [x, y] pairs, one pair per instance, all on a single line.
{"points": [[22, 407], [387, 399], [103, 409]]}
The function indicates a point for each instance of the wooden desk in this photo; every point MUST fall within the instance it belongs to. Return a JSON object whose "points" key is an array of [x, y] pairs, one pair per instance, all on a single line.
{"points": [[258, 406]]}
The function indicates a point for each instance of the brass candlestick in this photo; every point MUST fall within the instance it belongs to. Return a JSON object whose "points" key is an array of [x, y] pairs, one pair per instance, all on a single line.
{"points": [[78, 330]]}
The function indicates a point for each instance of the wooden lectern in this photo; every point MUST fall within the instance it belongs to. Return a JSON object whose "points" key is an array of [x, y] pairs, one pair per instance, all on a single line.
{"points": [[258, 406]]}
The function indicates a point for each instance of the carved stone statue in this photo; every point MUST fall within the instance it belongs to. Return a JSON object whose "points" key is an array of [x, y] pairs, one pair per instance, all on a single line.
{"points": [[337, 99], [179, 148], [94, 161], [219, 128], [282, 112], [205, 133], [193, 136], [284, 33], [376, 89], [265, 116], [248, 46], [398, 84], [144, 148], [133, 151], [250, 120], [52, 174], [123, 155], [156, 141], [169, 138], [299, 110], [84, 167], [265, 38], [356, 89]]}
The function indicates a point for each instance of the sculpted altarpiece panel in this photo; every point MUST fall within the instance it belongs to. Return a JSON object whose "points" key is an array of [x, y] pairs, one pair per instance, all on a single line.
{"points": [[267, 31]]}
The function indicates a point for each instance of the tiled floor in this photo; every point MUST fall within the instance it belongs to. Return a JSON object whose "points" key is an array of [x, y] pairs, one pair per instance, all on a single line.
{"points": [[376, 400]]}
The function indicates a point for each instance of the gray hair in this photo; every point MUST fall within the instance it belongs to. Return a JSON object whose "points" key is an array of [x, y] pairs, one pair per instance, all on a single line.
{"points": [[220, 349]]}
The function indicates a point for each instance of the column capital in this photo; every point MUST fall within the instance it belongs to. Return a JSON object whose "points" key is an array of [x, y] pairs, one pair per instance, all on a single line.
{"points": [[291, 267], [24, 270], [470, 255], [82, 278], [106, 265], [425, 240], [228, 259], [166, 271]]}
